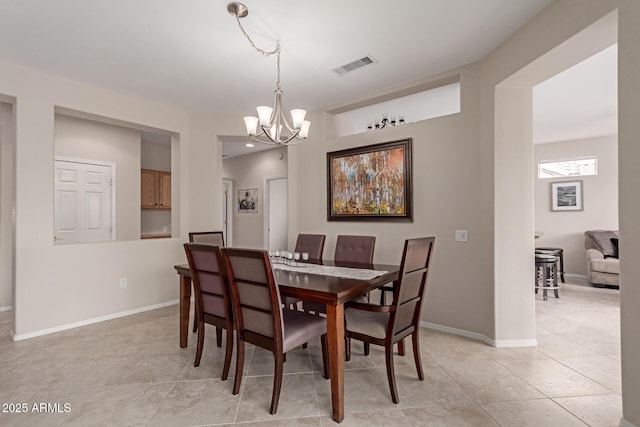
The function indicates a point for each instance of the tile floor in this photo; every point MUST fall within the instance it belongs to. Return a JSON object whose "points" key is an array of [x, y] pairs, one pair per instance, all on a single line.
{"points": [[130, 371]]}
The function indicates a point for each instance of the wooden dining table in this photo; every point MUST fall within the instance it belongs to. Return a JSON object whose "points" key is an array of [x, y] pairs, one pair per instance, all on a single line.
{"points": [[330, 290]]}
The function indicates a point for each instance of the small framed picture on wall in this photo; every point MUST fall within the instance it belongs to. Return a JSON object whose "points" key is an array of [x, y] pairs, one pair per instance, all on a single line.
{"points": [[248, 200], [566, 196]]}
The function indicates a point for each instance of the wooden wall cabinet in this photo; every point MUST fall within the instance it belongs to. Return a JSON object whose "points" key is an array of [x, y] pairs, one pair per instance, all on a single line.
{"points": [[155, 189]]}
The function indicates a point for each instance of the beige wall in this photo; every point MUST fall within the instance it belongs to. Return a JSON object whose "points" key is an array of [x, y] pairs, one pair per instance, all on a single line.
{"points": [[629, 196], [7, 182], [90, 140], [446, 195], [250, 171], [513, 216], [155, 156], [203, 167], [600, 193], [57, 286]]}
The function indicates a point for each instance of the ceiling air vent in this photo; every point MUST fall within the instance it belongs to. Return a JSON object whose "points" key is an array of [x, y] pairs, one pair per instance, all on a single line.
{"points": [[359, 63]]}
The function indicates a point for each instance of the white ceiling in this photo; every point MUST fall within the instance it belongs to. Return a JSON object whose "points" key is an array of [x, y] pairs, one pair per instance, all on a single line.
{"points": [[191, 52], [581, 102]]}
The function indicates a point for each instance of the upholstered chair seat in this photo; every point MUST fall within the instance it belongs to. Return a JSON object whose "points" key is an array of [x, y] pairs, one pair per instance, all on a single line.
{"points": [[373, 324], [300, 328]]}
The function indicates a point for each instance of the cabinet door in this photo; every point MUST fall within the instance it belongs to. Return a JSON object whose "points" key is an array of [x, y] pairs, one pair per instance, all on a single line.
{"points": [[165, 189], [149, 189]]}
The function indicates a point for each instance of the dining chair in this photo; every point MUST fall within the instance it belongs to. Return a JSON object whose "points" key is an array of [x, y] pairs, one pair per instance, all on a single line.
{"points": [[358, 249], [386, 325], [212, 297], [313, 244], [260, 319], [208, 238], [349, 249]]}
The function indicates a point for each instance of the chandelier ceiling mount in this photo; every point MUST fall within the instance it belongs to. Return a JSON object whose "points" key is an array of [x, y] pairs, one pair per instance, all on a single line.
{"points": [[271, 126]]}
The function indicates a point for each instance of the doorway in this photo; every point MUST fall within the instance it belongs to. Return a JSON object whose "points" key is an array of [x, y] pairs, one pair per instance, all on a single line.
{"points": [[7, 204], [277, 213], [514, 179]]}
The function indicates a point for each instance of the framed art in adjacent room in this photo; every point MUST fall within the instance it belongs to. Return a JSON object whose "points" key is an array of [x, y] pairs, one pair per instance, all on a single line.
{"points": [[370, 183], [248, 200], [566, 196]]}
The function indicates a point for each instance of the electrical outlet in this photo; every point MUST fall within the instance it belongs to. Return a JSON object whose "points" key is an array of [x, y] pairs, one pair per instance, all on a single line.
{"points": [[461, 236], [123, 283]]}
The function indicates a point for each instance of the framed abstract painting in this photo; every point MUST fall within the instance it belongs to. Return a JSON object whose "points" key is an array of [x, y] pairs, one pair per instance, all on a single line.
{"points": [[370, 183]]}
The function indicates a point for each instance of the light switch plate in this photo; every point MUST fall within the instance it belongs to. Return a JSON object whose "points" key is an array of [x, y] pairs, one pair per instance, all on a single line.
{"points": [[461, 236]]}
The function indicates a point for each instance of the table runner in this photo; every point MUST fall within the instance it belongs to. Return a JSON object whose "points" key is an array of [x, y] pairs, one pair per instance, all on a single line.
{"points": [[329, 270]]}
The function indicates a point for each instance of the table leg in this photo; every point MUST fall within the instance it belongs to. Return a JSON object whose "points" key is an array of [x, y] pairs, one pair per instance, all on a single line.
{"points": [[335, 341], [185, 302]]}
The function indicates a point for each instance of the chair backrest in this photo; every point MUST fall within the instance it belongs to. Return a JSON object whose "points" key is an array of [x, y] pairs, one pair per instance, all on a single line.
{"points": [[207, 237], [255, 296], [313, 244], [210, 283], [409, 290], [355, 249]]}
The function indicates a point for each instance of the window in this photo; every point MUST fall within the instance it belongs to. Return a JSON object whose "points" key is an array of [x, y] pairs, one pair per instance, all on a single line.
{"points": [[569, 167]]}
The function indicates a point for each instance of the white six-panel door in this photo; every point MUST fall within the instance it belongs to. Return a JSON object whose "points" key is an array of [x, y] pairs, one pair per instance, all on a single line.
{"points": [[82, 202]]}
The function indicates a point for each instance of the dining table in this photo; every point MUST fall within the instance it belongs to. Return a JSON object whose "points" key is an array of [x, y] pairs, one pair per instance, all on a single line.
{"points": [[328, 286]]}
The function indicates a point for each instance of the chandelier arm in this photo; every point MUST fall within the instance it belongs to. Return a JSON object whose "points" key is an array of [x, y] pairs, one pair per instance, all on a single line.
{"points": [[288, 126], [265, 132], [289, 141]]}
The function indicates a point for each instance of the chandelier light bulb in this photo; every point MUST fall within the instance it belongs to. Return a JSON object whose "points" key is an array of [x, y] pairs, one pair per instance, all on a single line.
{"points": [[264, 113], [251, 122], [298, 117], [304, 130]]}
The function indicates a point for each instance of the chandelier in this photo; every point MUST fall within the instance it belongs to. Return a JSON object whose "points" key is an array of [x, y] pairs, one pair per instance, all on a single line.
{"points": [[271, 126]]}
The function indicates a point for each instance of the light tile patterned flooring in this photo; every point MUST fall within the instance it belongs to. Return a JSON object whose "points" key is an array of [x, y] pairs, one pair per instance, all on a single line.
{"points": [[130, 371]]}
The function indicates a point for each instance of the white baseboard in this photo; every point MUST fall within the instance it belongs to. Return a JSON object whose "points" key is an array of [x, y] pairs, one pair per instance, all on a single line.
{"points": [[577, 276], [480, 337], [6, 308], [20, 337], [533, 342], [625, 423]]}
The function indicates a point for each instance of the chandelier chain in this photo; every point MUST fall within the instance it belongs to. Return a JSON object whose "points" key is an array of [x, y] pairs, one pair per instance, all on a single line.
{"points": [[265, 53]]}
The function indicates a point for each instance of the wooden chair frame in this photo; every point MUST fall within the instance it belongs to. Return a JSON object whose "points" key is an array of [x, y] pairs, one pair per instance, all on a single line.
{"points": [[391, 337], [201, 317], [273, 344], [193, 238]]}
